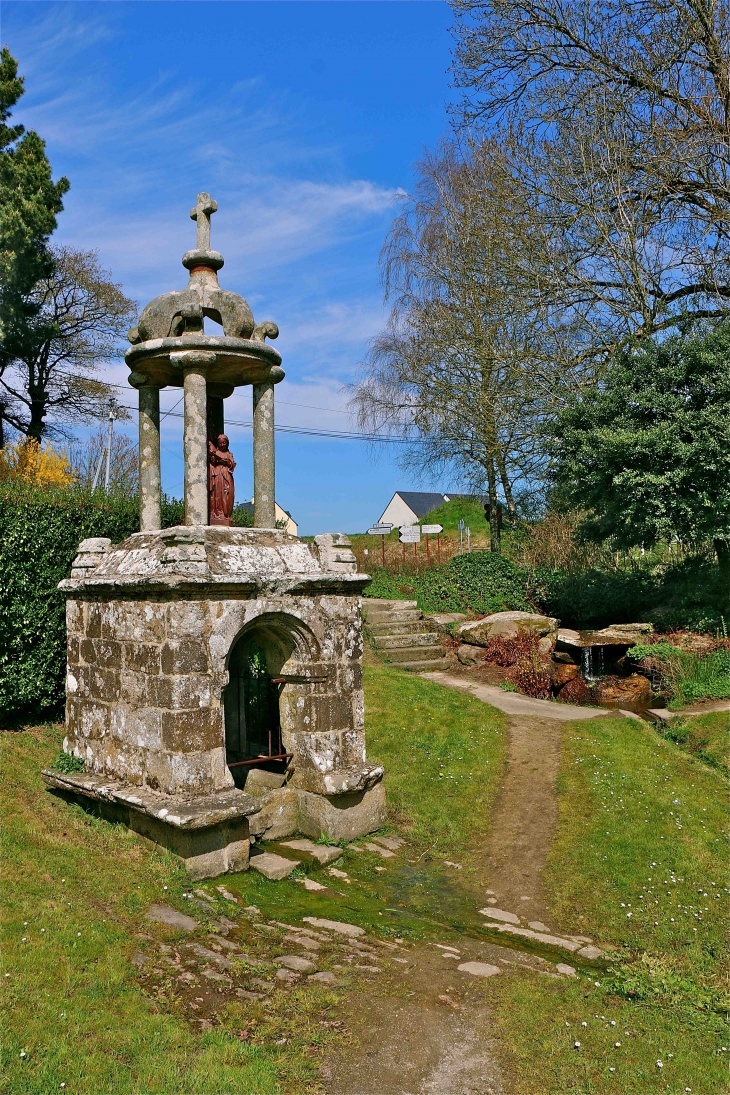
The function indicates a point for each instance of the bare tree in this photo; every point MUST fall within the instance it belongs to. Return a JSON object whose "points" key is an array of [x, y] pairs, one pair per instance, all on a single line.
{"points": [[620, 121], [88, 462], [51, 381], [470, 360]]}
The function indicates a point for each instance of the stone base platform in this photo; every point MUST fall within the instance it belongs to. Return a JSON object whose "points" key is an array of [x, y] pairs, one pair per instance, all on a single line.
{"points": [[209, 833]]}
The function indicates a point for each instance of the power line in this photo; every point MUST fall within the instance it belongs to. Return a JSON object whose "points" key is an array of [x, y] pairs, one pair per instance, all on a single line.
{"points": [[307, 431]]}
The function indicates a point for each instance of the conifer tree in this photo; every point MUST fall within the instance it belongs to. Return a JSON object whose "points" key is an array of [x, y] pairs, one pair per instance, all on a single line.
{"points": [[29, 203]]}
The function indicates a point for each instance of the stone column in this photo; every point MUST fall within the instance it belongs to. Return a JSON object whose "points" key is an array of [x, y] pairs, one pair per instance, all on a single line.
{"points": [[195, 364], [264, 514], [149, 458]]}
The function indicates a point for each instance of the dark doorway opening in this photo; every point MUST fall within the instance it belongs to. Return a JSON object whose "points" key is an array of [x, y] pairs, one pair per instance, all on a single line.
{"points": [[251, 705]]}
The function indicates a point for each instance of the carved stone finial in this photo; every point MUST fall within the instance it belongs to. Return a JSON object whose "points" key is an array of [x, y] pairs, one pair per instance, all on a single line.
{"points": [[204, 208]]}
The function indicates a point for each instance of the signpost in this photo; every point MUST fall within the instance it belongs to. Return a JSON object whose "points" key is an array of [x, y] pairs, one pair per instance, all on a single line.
{"points": [[410, 534], [432, 530], [382, 531], [461, 535]]}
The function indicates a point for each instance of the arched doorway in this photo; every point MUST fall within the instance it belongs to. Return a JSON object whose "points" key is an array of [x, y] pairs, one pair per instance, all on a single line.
{"points": [[251, 703]]}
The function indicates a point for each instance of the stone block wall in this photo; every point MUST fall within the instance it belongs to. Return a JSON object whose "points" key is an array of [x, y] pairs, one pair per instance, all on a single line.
{"points": [[146, 677]]}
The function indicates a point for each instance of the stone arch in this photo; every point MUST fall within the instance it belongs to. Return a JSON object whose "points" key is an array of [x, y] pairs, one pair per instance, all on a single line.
{"points": [[269, 646]]}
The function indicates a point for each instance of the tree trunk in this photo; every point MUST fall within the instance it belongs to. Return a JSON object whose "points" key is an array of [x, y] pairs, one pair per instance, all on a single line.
{"points": [[495, 540], [722, 550], [507, 488], [36, 425]]}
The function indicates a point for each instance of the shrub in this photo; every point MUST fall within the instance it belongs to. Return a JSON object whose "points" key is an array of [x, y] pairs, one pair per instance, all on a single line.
{"points": [[687, 676], [507, 652], [482, 582]]}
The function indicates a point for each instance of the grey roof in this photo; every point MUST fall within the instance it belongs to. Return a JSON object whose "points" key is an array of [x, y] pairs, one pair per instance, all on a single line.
{"points": [[421, 502]]}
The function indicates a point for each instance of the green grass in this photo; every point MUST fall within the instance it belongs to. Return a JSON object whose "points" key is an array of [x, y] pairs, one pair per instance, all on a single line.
{"points": [[443, 753], [705, 736], [75, 890], [639, 861]]}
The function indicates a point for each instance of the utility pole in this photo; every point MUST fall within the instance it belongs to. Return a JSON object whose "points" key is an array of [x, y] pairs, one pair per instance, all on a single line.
{"points": [[109, 445]]}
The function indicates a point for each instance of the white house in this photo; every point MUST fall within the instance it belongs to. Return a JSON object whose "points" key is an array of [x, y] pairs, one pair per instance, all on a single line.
{"points": [[408, 507], [282, 515]]}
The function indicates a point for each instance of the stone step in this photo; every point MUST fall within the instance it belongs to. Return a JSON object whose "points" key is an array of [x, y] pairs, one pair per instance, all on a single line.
{"points": [[402, 642], [414, 653], [409, 627], [406, 615], [380, 604], [425, 667]]}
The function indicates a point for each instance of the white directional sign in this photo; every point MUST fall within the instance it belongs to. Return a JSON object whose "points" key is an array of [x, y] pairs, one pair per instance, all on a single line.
{"points": [[410, 534], [431, 530], [380, 530]]}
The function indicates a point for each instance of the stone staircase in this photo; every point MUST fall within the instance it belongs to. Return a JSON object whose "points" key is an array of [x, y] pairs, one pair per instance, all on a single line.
{"points": [[402, 635]]}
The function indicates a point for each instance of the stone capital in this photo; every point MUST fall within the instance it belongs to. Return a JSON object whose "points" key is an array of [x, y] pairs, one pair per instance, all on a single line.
{"points": [[194, 359]]}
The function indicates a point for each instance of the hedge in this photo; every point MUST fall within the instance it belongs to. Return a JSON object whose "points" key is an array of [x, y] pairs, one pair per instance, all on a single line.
{"points": [[40, 531]]}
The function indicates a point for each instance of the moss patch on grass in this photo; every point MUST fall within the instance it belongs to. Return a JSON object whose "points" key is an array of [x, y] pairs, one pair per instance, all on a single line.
{"points": [[443, 753], [640, 861]]}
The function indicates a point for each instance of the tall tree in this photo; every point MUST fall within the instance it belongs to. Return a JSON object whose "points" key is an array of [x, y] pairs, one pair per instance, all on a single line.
{"points": [[29, 204], [469, 361], [80, 314], [646, 454], [621, 113]]}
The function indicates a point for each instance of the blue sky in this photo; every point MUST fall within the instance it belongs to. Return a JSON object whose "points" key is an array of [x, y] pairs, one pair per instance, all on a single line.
{"points": [[303, 120]]}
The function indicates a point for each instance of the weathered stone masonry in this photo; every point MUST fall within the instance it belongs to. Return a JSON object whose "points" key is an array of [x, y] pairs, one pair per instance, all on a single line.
{"points": [[155, 624]]}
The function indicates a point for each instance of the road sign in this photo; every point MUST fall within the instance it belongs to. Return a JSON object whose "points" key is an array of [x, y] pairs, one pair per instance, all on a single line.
{"points": [[410, 534], [380, 530], [431, 530]]}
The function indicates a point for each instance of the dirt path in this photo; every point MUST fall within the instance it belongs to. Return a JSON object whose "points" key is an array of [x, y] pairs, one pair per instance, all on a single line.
{"points": [[427, 1031], [524, 820]]}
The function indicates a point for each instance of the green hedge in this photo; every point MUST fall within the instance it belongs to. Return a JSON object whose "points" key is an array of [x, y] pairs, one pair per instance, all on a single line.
{"points": [[478, 582], [40, 531]]}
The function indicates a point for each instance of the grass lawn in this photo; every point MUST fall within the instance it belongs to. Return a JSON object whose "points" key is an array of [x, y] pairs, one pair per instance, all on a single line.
{"points": [[76, 889], [444, 755], [705, 736], [640, 861]]}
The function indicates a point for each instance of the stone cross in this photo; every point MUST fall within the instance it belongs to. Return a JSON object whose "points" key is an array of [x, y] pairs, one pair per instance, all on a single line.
{"points": [[204, 207]]}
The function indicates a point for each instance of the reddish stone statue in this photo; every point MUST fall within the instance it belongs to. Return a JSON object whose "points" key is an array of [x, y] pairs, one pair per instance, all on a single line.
{"points": [[220, 481]]}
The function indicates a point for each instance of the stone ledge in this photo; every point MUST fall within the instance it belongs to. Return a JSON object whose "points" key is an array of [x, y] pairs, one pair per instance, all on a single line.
{"points": [[180, 812], [214, 586]]}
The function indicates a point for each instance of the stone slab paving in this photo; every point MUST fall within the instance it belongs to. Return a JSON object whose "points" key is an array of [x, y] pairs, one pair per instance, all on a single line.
{"points": [[338, 926], [274, 867], [323, 853], [384, 852], [479, 969], [164, 914]]}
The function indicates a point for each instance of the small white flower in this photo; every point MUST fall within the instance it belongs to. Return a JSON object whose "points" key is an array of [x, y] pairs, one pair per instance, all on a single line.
{"points": [[78, 933], [23, 1054], [576, 1045], [584, 1024], [660, 1064], [617, 1045]]}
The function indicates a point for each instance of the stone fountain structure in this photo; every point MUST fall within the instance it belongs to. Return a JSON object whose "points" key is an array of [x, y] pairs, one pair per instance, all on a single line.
{"points": [[205, 661]]}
